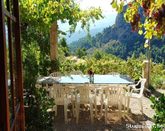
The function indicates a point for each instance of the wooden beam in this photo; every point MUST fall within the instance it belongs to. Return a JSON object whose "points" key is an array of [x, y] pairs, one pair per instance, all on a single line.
{"points": [[15, 119], [4, 102], [7, 13], [11, 65], [19, 80]]}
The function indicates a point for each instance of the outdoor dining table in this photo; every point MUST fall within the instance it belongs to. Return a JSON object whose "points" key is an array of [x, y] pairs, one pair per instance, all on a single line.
{"points": [[77, 81], [84, 79]]}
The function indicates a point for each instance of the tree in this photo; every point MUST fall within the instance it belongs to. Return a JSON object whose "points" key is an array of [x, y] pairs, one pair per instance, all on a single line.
{"points": [[63, 42], [154, 12], [81, 52], [48, 12], [64, 46], [98, 54]]}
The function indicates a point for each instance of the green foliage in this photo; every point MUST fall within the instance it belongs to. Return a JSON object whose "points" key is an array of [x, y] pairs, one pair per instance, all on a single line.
{"points": [[117, 6], [100, 63], [64, 47], [154, 12], [31, 56], [97, 54], [116, 48], [157, 75], [55, 65], [63, 42], [134, 67], [66, 66], [159, 107], [103, 63], [36, 101], [45, 12], [81, 52]]}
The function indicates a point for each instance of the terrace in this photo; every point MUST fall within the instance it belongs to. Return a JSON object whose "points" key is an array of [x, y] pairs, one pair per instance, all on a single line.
{"points": [[133, 120], [89, 92], [127, 119]]}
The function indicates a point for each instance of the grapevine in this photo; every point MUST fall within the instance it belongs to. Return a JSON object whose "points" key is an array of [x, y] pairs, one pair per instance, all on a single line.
{"points": [[153, 11]]}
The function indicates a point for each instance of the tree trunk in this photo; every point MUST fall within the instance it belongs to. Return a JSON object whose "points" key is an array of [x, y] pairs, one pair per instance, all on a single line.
{"points": [[53, 41], [54, 47]]}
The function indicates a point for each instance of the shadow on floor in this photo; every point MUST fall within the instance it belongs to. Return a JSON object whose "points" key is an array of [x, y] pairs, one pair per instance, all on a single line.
{"points": [[126, 123]]}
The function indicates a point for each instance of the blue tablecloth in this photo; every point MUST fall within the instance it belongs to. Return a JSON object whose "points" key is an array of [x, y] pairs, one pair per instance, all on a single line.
{"points": [[82, 79]]}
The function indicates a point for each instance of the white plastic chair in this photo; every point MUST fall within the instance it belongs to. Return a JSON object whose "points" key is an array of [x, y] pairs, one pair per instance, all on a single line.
{"points": [[124, 95], [112, 98], [99, 98], [61, 96], [84, 95], [117, 95], [56, 74], [137, 93]]}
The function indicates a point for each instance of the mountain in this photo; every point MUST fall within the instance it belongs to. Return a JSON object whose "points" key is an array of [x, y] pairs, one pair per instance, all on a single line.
{"points": [[97, 27], [80, 34], [121, 41]]}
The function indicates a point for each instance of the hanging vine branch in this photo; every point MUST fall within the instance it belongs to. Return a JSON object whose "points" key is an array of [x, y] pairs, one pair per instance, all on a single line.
{"points": [[154, 12]]}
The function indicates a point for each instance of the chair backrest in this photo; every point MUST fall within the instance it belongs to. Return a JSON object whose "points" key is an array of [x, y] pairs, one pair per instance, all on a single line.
{"points": [[58, 92], [113, 94], [142, 81], [55, 74], [83, 93]]}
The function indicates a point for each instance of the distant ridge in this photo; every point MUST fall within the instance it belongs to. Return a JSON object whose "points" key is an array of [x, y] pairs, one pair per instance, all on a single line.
{"points": [[119, 40]]}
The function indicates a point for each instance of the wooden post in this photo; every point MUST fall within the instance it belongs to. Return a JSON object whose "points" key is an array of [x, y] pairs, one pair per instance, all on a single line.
{"points": [[19, 67], [4, 102], [53, 41], [146, 72]]}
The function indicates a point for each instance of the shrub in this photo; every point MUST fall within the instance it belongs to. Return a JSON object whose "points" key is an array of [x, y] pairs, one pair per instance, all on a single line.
{"points": [[36, 101], [159, 117]]}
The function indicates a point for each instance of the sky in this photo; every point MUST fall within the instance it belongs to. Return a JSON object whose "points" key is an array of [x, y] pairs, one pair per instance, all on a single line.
{"points": [[103, 4], [105, 7], [108, 12]]}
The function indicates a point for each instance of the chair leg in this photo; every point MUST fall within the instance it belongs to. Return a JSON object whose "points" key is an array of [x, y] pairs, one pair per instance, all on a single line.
{"points": [[101, 109], [91, 112], [95, 106], [77, 112], [73, 109], [65, 114], [55, 108], [101, 105], [125, 104], [119, 106], [106, 113], [128, 104]]}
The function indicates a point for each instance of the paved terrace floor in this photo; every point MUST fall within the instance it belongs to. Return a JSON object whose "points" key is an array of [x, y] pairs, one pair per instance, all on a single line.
{"points": [[133, 121]]}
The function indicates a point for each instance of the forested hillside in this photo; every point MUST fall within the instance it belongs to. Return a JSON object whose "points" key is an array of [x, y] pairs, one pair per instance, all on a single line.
{"points": [[121, 41]]}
